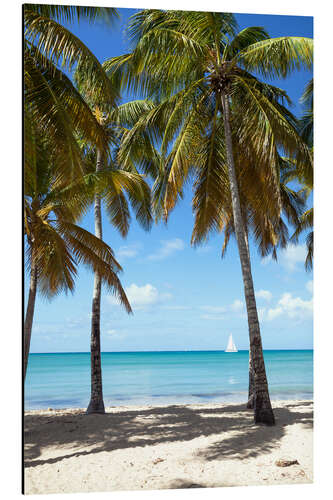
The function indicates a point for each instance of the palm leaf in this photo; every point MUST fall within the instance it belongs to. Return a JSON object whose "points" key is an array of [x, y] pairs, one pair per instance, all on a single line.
{"points": [[92, 251], [276, 57], [60, 46], [211, 188], [70, 13]]}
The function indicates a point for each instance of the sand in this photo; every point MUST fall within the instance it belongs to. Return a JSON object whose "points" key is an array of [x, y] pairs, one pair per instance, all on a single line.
{"points": [[178, 446]]}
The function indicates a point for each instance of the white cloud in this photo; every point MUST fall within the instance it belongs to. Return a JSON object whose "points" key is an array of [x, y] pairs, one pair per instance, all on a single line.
{"points": [[168, 247], [274, 313], [293, 307], [141, 297], [264, 294], [128, 251], [309, 286], [293, 256], [237, 306]]}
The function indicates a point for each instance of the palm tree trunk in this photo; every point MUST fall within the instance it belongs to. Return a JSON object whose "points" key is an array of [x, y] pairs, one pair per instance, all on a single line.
{"points": [[249, 404], [263, 412], [251, 383], [29, 316], [96, 404]]}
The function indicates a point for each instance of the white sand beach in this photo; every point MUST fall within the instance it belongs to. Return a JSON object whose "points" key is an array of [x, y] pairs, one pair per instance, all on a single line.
{"points": [[178, 446]]}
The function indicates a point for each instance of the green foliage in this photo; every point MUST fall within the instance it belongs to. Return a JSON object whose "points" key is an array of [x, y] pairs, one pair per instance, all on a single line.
{"points": [[61, 135], [51, 100], [54, 241], [182, 61], [69, 14], [297, 171]]}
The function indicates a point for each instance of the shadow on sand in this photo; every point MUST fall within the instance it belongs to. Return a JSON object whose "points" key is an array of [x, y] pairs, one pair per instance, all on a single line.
{"points": [[132, 428]]}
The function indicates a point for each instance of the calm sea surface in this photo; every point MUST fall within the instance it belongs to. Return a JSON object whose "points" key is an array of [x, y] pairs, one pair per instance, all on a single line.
{"points": [[63, 380]]}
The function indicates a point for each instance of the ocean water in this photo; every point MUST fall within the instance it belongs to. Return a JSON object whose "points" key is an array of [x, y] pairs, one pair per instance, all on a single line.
{"points": [[62, 380]]}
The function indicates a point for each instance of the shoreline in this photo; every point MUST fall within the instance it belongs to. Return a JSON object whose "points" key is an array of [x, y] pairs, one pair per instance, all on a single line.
{"points": [[165, 446], [137, 406]]}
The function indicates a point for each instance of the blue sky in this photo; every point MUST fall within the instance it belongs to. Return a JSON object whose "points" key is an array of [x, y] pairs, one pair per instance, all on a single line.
{"points": [[184, 298]]}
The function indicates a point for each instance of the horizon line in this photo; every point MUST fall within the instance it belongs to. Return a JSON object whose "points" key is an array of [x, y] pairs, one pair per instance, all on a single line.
{"points": [[171, 350]]}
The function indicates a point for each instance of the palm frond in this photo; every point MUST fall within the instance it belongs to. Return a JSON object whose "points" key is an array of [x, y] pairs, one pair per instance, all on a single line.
{"points": [[119, 185], [71, 13], [211, 188], [95, 253], [243, 40], [276, 57], [46, 109], [61, 46]]}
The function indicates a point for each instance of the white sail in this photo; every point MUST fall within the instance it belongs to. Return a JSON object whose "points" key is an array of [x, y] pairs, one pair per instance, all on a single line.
{"points": [[231, 345]]}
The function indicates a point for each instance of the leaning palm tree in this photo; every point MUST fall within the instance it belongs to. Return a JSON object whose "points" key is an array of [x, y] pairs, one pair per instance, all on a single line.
{"points": [[55, 243], [219, 116]]}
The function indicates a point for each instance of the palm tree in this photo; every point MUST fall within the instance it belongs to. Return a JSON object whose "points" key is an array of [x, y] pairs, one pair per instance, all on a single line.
{"points": [[220, 118], [55, 243], [113, 185]]}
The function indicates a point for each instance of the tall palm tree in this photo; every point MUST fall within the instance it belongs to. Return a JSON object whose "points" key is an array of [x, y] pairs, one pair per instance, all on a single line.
{"points": [[55, 243], [113, 187], [220, 117]]}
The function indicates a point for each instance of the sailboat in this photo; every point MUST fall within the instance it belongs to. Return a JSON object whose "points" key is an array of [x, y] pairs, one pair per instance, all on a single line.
{"points": [[231, 345]]}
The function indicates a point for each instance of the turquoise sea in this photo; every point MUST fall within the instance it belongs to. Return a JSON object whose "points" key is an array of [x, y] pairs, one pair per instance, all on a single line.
{"points": [[62, 380]]}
